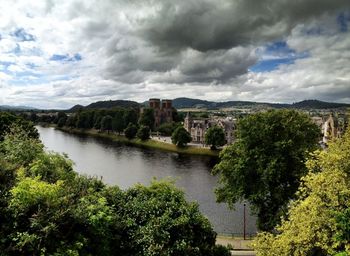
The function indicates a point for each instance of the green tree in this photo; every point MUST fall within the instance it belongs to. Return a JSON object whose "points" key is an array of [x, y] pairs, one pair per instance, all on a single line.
{"points": [[167, 129], [130, 116], [177, 117], [265, 164], [8, 120], [71, 121], [215, 136], [180, 137], [143, 133], [61, 122], [118, 124], [163, 223], [33, 117], [130, 131], [84, 120], [106, 123], [147, 118], [60, 115], [20, 147], [317, 222]]}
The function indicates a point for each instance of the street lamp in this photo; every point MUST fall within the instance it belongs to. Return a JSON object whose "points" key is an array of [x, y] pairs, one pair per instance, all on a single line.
{"points": [[244, 221]]}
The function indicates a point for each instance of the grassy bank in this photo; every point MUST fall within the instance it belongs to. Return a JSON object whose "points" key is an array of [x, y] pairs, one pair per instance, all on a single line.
{"points": [[147, 144]]}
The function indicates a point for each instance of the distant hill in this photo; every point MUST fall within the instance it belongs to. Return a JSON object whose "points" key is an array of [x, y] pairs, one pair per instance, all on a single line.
{"points": [[317, 104], [196, 103], [189, 103], [8, 107], [107, 104], [76, 108], [306, 104], [183, 102]]}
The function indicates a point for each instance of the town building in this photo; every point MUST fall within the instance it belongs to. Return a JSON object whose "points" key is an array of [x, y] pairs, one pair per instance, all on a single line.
{"points": [[198, 127], [163, 111], [333, 127]]}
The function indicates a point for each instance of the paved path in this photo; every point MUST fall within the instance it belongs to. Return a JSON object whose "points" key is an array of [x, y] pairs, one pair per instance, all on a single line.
{"points": [[243, 253], [167, 139], [241, 247]]}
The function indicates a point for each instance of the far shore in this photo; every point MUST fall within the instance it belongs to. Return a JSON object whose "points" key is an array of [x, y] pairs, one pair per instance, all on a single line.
{"points": [[150, 143]]}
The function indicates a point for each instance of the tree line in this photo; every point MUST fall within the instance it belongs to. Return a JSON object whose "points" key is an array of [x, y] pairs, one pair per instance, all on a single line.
{"points": [[131, 123], [46, 208]]}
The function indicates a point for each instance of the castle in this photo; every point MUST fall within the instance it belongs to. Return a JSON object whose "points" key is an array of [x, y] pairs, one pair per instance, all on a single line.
{"points": [[163, 111]]}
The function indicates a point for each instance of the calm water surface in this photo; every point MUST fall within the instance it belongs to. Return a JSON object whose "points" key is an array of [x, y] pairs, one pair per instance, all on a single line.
{"points": [[125, 165]]}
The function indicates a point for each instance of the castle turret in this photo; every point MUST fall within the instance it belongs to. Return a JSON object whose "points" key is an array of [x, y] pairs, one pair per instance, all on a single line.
{"points": [[188, 122]]}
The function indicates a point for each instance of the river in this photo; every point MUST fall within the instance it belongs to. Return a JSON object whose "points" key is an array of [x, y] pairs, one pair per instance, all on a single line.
{"points": [[125, 166]]}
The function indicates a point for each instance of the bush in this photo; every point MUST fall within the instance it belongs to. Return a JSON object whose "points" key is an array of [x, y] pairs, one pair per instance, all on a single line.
{"points": [[143, 133], [130, 131], [167, 129]]}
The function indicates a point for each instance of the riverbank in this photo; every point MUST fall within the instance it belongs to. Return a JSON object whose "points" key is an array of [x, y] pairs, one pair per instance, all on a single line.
{"points": [[154, 144]]}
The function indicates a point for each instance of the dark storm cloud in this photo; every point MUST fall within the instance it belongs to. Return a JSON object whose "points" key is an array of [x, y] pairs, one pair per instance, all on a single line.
{"points": [[223, 24], [152, 36], [219, 65]]}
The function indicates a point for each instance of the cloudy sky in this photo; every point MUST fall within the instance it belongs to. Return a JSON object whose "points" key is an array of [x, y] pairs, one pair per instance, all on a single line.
{"points": [[55, 54]]}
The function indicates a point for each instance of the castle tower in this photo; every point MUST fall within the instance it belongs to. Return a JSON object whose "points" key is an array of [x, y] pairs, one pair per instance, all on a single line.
{"points": [[155, 105], [188, 122], [167, 111]]}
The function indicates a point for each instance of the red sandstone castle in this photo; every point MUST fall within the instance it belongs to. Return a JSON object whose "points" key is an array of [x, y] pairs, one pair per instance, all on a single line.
{"points": [[163, 111]]}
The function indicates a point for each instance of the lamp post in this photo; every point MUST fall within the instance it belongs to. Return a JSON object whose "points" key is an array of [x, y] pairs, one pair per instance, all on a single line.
{"points": [[244, 221]]}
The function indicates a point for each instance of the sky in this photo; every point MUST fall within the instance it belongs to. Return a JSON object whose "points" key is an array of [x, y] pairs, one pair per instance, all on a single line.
{"points": [[55, 54]]}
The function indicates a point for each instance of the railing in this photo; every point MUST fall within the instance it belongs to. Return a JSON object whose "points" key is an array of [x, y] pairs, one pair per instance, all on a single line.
{"points": [[248, 236]]}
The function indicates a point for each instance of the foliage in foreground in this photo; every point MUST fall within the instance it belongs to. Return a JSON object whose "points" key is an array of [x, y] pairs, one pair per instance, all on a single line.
{"points": [[48, 209], [318, 221], [7, 120], [265, 164]]}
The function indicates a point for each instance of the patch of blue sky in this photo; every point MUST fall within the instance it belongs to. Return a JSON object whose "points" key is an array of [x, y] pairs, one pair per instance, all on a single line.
{"points": [[28, 78], [17, 49], [276, 54], [269, 65], [343, 20], [5, 64], [31, 65], [21, 35], [35, 51], [278, 48], [66, 57]]}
